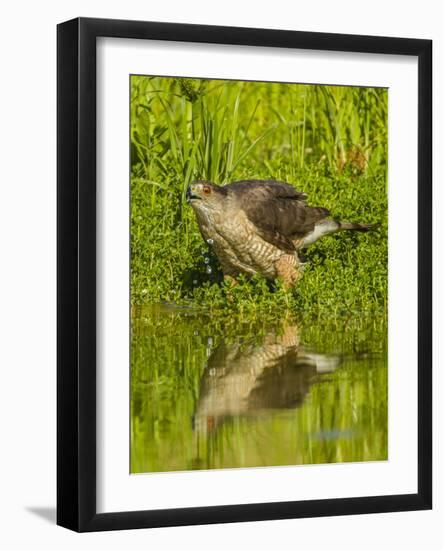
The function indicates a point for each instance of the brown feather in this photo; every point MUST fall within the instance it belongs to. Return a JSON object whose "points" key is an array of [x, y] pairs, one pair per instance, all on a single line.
{"points": [[266, 188], [277, 210]]}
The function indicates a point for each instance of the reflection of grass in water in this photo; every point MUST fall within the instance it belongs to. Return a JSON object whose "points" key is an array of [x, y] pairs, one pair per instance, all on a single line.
{"points": [[343, 416]]}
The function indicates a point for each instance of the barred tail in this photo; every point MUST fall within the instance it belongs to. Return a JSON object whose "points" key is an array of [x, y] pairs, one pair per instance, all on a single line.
{"points": [[329, 226], [356, 226]]}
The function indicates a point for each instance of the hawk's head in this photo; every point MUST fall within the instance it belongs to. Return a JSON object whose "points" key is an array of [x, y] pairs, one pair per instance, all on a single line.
{"points": [[204, 195]]}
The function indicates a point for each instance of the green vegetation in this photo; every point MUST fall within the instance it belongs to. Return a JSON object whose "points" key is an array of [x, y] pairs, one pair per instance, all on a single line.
{"points": [[330, 142], [196, 343]]}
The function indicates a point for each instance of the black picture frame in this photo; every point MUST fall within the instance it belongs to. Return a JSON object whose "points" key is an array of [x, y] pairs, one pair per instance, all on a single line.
{"points": [[76, 279]]}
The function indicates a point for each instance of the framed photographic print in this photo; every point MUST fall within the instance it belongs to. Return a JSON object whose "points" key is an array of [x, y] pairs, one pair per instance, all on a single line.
{"points": [[244, 274]]}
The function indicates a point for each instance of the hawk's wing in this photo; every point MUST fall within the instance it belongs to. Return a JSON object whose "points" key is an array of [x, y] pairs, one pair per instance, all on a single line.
{"points": [[266, 189], [277, 210]]}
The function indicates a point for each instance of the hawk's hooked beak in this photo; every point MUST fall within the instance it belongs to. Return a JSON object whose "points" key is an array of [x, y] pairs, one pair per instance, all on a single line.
{"points": [[190, 195]]}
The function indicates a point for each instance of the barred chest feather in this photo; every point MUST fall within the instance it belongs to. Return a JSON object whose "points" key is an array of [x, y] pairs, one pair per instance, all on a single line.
{"points": [[237, 245]]}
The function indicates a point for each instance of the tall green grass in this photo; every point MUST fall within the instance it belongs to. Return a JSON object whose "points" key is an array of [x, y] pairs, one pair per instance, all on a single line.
{"points": [[330, 142]]}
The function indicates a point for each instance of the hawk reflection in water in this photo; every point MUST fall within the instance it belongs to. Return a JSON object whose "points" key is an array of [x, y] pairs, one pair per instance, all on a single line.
{"points": [[251, 379], [259, 227]]}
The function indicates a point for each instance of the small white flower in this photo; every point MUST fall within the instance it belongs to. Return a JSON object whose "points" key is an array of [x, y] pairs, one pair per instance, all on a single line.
{"points": [[210, 241]]}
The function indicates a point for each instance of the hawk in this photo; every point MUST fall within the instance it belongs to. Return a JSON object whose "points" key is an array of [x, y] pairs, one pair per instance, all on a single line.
{"points": [[260, 226]]}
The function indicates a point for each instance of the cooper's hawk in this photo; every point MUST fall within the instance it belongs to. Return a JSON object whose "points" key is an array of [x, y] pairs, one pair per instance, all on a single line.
{"points": [[259, 227]]}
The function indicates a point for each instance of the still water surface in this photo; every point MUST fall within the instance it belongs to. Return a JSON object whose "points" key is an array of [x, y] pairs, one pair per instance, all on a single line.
{"points": [[239, 393]]}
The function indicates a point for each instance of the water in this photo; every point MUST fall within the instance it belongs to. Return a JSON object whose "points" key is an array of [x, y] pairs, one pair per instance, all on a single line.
{"points": [[239, 393]]}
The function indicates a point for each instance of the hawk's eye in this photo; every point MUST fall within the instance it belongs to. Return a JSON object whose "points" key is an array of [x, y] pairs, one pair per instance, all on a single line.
{"points": [[206, 189]]}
